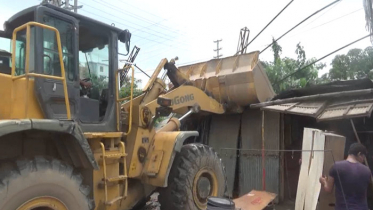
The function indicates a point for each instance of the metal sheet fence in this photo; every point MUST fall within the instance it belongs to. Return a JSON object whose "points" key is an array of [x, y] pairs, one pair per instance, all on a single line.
{"points": [[251, 174], [224, 131], [250, 162]]}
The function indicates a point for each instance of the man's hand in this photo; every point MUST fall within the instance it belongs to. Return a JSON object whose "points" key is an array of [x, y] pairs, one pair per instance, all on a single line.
{"points": [[86, 84], [323, 180], [327, 183]]}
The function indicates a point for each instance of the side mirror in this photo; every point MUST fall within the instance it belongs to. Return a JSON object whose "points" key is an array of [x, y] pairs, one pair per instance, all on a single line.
{"points": [[125, 37]]}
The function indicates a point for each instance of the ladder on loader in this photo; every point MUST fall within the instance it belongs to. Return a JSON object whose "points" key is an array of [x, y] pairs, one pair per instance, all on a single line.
{"points": [[122, 178]]}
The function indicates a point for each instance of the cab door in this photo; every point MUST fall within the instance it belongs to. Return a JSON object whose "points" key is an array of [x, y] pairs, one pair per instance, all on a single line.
{"points": [[50, 92]]}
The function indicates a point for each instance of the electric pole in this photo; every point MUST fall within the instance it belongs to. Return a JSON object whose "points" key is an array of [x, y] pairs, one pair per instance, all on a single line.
{"points": [[67, 6], [243, 40], [56, 3], [70, 7], [76, 6], [217, 49]]}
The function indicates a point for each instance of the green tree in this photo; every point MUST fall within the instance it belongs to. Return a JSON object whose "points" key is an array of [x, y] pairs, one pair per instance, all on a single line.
{"points": [[125, 90], [356, 64], [281, 67]]}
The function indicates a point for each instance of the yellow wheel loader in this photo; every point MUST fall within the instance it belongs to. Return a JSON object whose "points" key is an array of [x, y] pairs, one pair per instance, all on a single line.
{"points": [[66, 146]]}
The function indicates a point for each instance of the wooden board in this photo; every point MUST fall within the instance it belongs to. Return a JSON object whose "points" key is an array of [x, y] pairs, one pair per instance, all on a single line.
{"points": [[304, 169], [336, 144], [254, 200], [316, 168]]}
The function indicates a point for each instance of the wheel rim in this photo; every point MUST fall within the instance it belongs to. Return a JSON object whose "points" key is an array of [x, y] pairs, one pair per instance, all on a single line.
{"points": [[43, 203], [205, 184]]}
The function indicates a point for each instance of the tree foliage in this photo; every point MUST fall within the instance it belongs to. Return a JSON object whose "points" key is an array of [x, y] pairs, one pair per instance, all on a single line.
{"points": [[356, 64], [101, 82], [125, 90], [281, 67]]}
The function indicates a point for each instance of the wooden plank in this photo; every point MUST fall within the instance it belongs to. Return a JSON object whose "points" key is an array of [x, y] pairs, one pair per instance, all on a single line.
{"points": [[316, 168], [336, 144], [254, 200], [304, 169]]}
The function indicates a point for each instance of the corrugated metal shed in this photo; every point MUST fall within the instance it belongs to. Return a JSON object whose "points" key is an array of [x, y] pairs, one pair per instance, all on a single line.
{"points": [[224, 131], [250, 155], [251, 173], [326, 109], [335, 111]]}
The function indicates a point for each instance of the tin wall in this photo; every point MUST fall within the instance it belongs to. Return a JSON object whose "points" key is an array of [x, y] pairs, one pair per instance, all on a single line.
{"points": [[250, 164], [224, 130]]}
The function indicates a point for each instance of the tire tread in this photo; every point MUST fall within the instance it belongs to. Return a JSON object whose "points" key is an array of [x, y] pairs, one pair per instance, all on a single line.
{"points": [[12, 171], [176, 195]]}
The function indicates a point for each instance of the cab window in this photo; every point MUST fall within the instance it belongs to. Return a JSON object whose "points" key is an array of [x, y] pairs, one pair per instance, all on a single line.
{"points": [[94, 68], [51, 60], [94, 59], [5, 56], [20, 52]]}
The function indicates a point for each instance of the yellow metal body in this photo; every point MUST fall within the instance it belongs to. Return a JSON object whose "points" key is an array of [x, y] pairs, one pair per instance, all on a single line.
{"points": [[185, 97], [207, 173], [239, 79], [162, 147], [17, 91], [42, 202], [27, 74], [119, 100], [129, 169]]}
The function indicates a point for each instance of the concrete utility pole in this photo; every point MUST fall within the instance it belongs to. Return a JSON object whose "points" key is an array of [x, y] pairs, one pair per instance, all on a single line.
{"points": [[67, 6], [217, 49], [56, 3], [75, 7]]}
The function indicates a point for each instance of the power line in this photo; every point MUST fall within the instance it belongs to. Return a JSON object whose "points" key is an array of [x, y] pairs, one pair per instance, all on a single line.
{"points": [[300, 23], [266, 26], [140, 9], [131, 14], [329, 21], [300, 69], [321, 15], [338, 18], [136, 29], [144, 20], [177, 31], [136, 35]]}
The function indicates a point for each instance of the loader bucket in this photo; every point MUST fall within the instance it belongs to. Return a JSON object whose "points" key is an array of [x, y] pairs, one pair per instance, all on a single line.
{"points": [[240, 80]]}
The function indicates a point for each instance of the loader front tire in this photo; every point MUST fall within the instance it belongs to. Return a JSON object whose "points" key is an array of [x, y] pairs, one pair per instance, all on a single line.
{"points": [[41, 183], [197, 173]]}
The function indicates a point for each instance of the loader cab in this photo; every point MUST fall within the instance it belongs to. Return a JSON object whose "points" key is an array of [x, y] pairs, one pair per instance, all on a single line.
{"points": [[90, 54]]}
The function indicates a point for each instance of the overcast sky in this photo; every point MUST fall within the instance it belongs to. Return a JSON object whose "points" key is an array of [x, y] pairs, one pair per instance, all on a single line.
{"points": [[187, 29]]}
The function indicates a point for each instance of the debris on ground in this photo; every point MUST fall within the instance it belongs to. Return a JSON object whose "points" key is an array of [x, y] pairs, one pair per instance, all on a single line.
{"points": [[153, 203], [254, 200]]}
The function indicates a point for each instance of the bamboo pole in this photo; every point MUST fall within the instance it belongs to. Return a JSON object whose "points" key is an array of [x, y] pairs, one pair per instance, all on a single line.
{"points": [[263, 156]]}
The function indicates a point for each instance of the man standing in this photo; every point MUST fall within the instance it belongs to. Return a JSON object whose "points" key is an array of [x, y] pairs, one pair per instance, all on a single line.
{"points": [[351, 178]]}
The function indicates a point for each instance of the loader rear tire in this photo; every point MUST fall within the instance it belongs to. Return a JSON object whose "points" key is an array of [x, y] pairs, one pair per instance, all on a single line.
{"points": [[42, 183], [197, 173]]}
